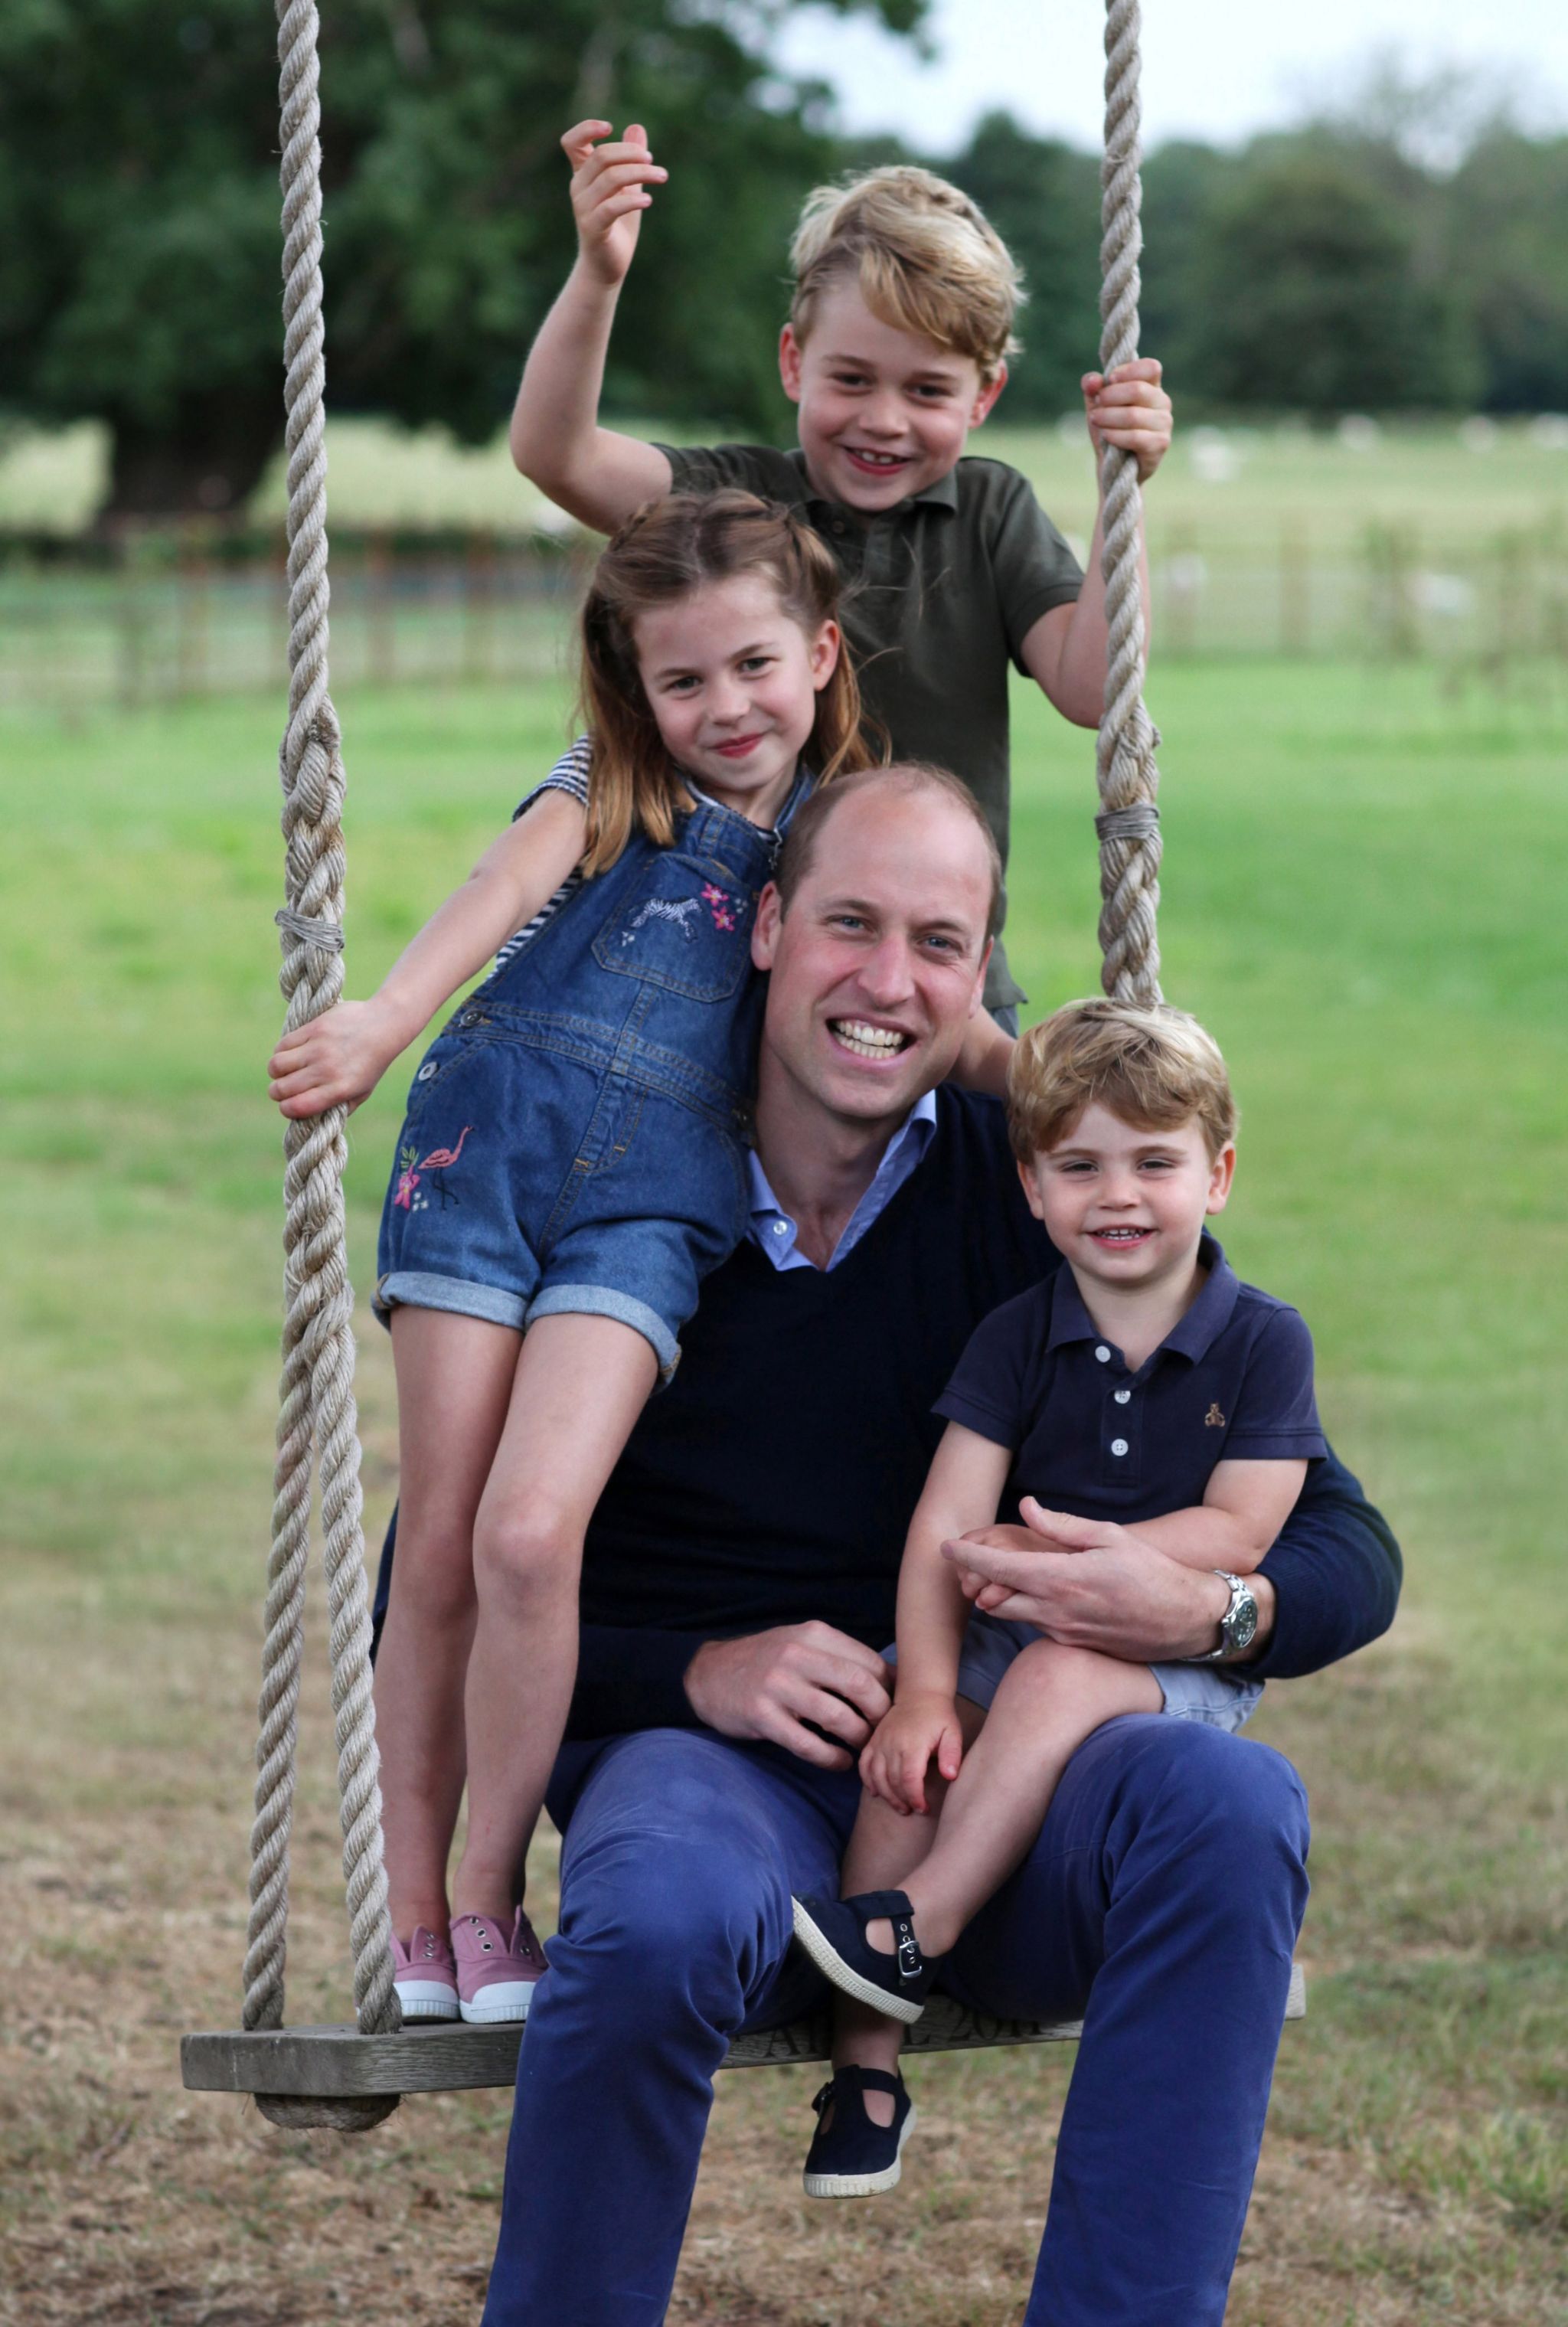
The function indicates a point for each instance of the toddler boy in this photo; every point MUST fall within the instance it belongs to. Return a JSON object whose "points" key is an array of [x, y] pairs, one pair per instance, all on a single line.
{"points": [[896, 346], [1141, 1383]]}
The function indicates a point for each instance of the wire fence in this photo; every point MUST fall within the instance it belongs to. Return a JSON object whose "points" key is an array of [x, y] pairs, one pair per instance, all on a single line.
{"points": [[155, 616]]}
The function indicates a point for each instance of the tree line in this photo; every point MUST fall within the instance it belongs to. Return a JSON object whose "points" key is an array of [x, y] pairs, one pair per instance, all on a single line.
{"points": [[1315, 272]]}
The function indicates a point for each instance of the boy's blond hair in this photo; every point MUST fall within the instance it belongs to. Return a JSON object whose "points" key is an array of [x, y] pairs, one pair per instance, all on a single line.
{"points": [[1152, 1066], [923, 257]]}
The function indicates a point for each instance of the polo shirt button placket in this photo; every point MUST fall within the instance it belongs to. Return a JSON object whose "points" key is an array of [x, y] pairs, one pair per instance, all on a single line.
{"points": [[1119, 1448]]}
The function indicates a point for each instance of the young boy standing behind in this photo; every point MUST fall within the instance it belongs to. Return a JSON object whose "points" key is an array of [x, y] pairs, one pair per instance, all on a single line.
{"points": [[896, 346]]}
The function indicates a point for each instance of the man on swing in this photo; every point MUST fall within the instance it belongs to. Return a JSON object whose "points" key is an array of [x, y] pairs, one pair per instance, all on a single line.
{"points": [[740, 1579]]}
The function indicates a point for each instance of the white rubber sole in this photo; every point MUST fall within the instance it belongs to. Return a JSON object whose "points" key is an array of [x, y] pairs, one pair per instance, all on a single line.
{"points": [[429, 1999], [502, 2000], [861, 2185], [845, 1978]]}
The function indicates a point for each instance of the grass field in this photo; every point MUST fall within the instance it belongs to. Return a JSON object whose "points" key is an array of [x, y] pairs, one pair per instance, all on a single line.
{"points": [[1363, 898], [1457, 482], [1448, 542]]}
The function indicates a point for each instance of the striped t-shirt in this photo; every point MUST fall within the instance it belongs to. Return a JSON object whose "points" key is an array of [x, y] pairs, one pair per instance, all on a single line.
{"points": [[569, 775]]}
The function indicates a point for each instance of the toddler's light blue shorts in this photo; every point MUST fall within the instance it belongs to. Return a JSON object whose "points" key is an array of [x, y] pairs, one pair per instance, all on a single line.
{"points": [[1220, 1695]]}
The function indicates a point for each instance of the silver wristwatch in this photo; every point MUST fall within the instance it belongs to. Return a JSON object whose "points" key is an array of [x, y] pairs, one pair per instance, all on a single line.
{"points": [[1239, 1624]]}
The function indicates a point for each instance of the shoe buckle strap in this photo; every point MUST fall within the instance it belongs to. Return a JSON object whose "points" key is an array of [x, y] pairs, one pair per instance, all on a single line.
{"points": [[912, 1963]]}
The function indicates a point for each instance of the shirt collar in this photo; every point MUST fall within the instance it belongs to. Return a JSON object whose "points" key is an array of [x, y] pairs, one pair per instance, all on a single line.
{"points": [[943, 493], [1192, 1337], [771, 1227]]}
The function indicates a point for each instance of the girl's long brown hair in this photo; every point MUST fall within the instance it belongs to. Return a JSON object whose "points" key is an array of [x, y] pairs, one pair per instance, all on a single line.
{"points": [[669, 548]]}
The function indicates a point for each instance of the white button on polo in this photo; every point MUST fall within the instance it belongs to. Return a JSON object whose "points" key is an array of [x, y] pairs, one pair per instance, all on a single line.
{"points": [[1122, 1397], [1103, 1354], [780, 1227], [1118, 1445]]}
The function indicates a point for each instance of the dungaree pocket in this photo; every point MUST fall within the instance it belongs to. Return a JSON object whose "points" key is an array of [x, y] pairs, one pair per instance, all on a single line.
{"points": [[681, 929]]}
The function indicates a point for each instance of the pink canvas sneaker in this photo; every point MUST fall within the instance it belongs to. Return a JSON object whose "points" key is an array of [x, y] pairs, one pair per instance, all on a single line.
{"points": [[424, 1976], [497, 1970]]}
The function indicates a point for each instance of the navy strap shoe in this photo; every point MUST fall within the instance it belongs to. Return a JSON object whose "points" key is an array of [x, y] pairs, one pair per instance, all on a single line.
{"points": [[832, 1933], [851, 2155]]}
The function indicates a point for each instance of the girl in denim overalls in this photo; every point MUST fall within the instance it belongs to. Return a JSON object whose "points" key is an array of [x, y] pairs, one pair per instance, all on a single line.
{"points": [[570, 1168]]}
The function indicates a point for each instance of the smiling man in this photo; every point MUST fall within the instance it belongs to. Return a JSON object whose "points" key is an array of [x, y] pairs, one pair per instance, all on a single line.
{"points": [[738, 1589]]}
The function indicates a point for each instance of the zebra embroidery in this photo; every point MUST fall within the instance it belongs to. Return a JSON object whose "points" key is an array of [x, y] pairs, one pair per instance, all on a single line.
{"points": [[659, 909]]}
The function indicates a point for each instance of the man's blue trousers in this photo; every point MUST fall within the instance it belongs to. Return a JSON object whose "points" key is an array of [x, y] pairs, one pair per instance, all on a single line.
{"points": [[1161, 1902]]}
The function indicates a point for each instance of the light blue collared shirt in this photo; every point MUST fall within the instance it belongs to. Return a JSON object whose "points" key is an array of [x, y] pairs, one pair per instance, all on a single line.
{"points": [[776, 1232]]}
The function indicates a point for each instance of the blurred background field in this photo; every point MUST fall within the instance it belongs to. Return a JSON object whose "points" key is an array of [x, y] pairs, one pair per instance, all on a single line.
{"points": [[1364, 880], [1359, 550], [1447, 541]]}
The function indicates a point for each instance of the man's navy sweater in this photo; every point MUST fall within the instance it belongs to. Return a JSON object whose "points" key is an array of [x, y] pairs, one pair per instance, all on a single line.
{"points": [[774, 1481]]}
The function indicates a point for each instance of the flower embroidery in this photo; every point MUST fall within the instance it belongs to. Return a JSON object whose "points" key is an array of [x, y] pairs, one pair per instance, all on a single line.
{"points": [[718, 902], [408, 1178]]}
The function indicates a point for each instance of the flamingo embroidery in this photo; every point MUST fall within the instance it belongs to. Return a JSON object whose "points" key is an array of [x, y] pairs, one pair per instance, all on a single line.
{"points": [[440, 1158], [412, 1167]]}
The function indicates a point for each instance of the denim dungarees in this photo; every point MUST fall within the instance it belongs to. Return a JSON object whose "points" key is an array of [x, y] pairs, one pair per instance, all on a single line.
{"points": [[574, 1135]]}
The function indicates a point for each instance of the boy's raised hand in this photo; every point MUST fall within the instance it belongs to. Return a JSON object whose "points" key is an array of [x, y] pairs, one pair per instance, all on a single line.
{"points": [[610, 183], [1128, 407]]}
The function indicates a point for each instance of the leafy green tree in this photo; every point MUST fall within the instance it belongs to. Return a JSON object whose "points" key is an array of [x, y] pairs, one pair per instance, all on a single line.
{"points": [[1507, 232], [138, 214], [1044, 200], [1311, 297], [1184, 182]]}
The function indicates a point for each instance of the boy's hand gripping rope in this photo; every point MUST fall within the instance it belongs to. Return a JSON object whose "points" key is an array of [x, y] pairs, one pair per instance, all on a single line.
{"points": [[317, 1403], [1128, 823]]}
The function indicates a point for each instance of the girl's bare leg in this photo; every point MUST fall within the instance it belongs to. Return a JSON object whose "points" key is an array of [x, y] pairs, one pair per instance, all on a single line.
{"points": [[1050, 1699], [454, 1384], [884, 1850], [580, 1385]]}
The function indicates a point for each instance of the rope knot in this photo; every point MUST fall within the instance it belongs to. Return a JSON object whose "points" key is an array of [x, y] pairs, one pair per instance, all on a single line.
{"points": [[1139, 822], [321, 937]]}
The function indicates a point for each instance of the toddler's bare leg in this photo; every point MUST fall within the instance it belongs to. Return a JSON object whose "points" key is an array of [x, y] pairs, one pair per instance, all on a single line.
{"points": [[581, 1384], [883, 1852], [1050, 1699], [454, 1382]]}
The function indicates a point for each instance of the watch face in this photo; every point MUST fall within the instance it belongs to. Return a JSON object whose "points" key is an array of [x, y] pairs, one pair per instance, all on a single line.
{"points": [[1243, 1624]]}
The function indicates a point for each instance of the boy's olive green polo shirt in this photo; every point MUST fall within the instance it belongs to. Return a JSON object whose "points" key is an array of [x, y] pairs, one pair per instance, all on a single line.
{"points": [[940, 594]]}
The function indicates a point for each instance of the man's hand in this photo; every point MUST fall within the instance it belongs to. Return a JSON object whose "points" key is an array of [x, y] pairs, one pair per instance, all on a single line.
{"points": [[1097, 1587], [609, 193], [336, 1060], [922, 1728], [1128, 407], [769, 1685]]}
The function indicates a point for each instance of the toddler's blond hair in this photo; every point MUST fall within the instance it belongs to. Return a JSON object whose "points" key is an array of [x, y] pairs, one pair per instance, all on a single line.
{"points": [[923, 257], [1152, 1066]]}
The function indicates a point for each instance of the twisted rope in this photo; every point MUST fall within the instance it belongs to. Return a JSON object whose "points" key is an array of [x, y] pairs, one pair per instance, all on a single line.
{"points": [[316, 1406], [1129, 822]]}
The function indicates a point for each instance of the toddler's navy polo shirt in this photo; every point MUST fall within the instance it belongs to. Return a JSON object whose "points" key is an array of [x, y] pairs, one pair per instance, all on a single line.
{"points": [[1234, 1379]]}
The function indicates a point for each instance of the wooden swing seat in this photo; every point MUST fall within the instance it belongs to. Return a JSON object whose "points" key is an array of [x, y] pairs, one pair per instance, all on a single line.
{"points": [[448, 2057]]}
